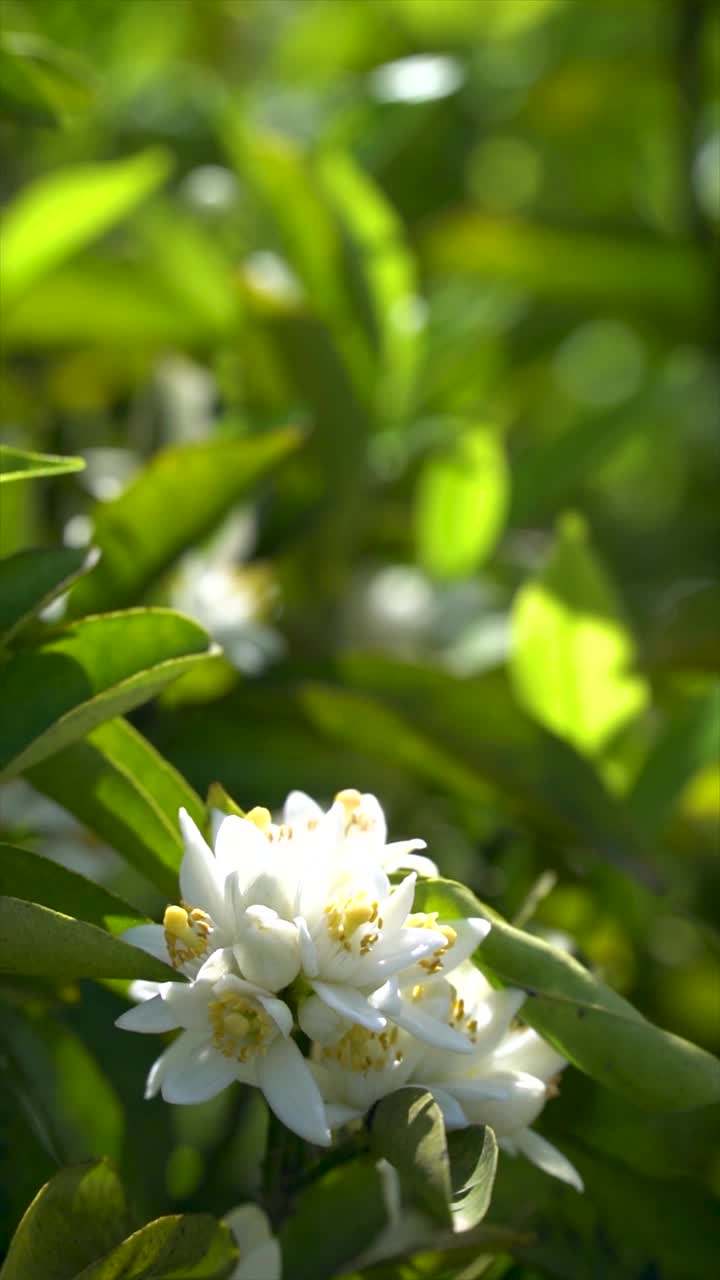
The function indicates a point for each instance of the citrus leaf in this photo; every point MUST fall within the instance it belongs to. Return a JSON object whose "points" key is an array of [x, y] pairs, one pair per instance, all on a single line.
{"points": [[461, 503], [37, 942], [19, 464], [407, 1129], [27, 875], [31, 579], [191, 1246]]}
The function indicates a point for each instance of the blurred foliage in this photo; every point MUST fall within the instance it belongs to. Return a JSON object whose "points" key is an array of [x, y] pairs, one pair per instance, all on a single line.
{"points": [[386, 334]]}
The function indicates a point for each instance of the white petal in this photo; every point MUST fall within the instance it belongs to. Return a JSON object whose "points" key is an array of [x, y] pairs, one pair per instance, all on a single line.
{"points": [[149, 938], [308, 950], [338, 1114], [291, 1091], [250, 1226], [152, 1015], [548, 1158], [320, 1022], [527, 1051], [201, 882], [198, 1075], [262, 1263], [241, 847], [470, 933], [301, 808], [453, 1114], [507, 1102], [142, 989], [398, 905], [267, 950], [188, 1002], [217, 965], [426, 1028], [178, 1051], [493, 1016], [350, 1002], [404, 860], [279, 1012]]}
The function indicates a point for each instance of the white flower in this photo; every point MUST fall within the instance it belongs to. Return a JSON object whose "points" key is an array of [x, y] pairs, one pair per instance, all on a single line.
{"points": [[260, 1257], [355, 1067], [506, 1079], [231, 1030]]}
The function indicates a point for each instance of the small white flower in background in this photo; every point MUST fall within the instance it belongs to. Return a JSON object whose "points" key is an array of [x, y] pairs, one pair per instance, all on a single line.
{"points": [[260, 1257]]}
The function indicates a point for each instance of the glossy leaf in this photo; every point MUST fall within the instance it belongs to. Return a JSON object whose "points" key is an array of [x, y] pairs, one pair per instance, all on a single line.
{"points": [[199, 483], [567, 265], [193, 1246], [19, 464], [407, 1129], [461, 503], [39, 82], [61, 212], [120, 787], [594, 1027], [27, 875], [320, 1234], [473, 1156], [38, 942], [689, 741], [88, 672], [77, 1216], [54, 1078], [31, 579], [572, 654]]}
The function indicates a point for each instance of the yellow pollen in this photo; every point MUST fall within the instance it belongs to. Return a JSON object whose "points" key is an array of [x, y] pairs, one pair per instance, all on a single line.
{"points": [[350, 800], [261, 818], [241, 1027], [186, 933], [363, 1050], [345, 918], [428, 920]]}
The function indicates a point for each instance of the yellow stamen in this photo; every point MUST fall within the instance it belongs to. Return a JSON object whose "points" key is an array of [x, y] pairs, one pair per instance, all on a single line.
{"points": [[241, 1027], [186, 933], [363, 1050], [261, 818], [428, 920], [346, 917]]}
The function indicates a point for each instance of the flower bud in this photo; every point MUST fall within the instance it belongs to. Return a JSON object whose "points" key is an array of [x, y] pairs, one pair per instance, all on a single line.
{"points": [[267, 949]]}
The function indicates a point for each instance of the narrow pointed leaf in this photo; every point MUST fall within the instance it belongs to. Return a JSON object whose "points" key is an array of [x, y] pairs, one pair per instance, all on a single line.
{"points": [[38, 942], [88, 672], [19, 464], [31, 579], [27, 875], [118, 785], [198, 483], [594, 1027]]}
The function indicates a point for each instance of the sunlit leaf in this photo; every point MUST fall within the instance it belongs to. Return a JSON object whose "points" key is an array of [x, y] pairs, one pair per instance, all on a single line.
{"points": [[36, 941], [473, 1156], [593, 1026], [120, 787], [198, 483], [27, 875], [572, 653], [193, 1246], [18, 464], [31, 579], [88, 672], [460, 504], [407, 1129], [61, 212], [690, 741], [77, 1216]]}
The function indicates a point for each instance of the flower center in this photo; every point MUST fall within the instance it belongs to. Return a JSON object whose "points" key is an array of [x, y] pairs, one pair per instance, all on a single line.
{"points": [[186, 933], [241, 1027], [428, 920], [363, 1050], [346, 916], [262, 819], [460, 1022]]}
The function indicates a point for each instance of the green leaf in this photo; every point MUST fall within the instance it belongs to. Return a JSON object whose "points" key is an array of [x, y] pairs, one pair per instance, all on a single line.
{"points": [[218, 798], [55, 1079], [198, 483], [88, 672], [572, 654], [18, 464], [191, 1246], [38, 942], [688, 742], [77, 1216], [321, 1234], [31, 579], [593, 1026], [29, 876], [461, 503], [120, 787], [642, 273], [407, 1129], [388, 273], [63, 211], [473, 1156], [40, 82]]}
